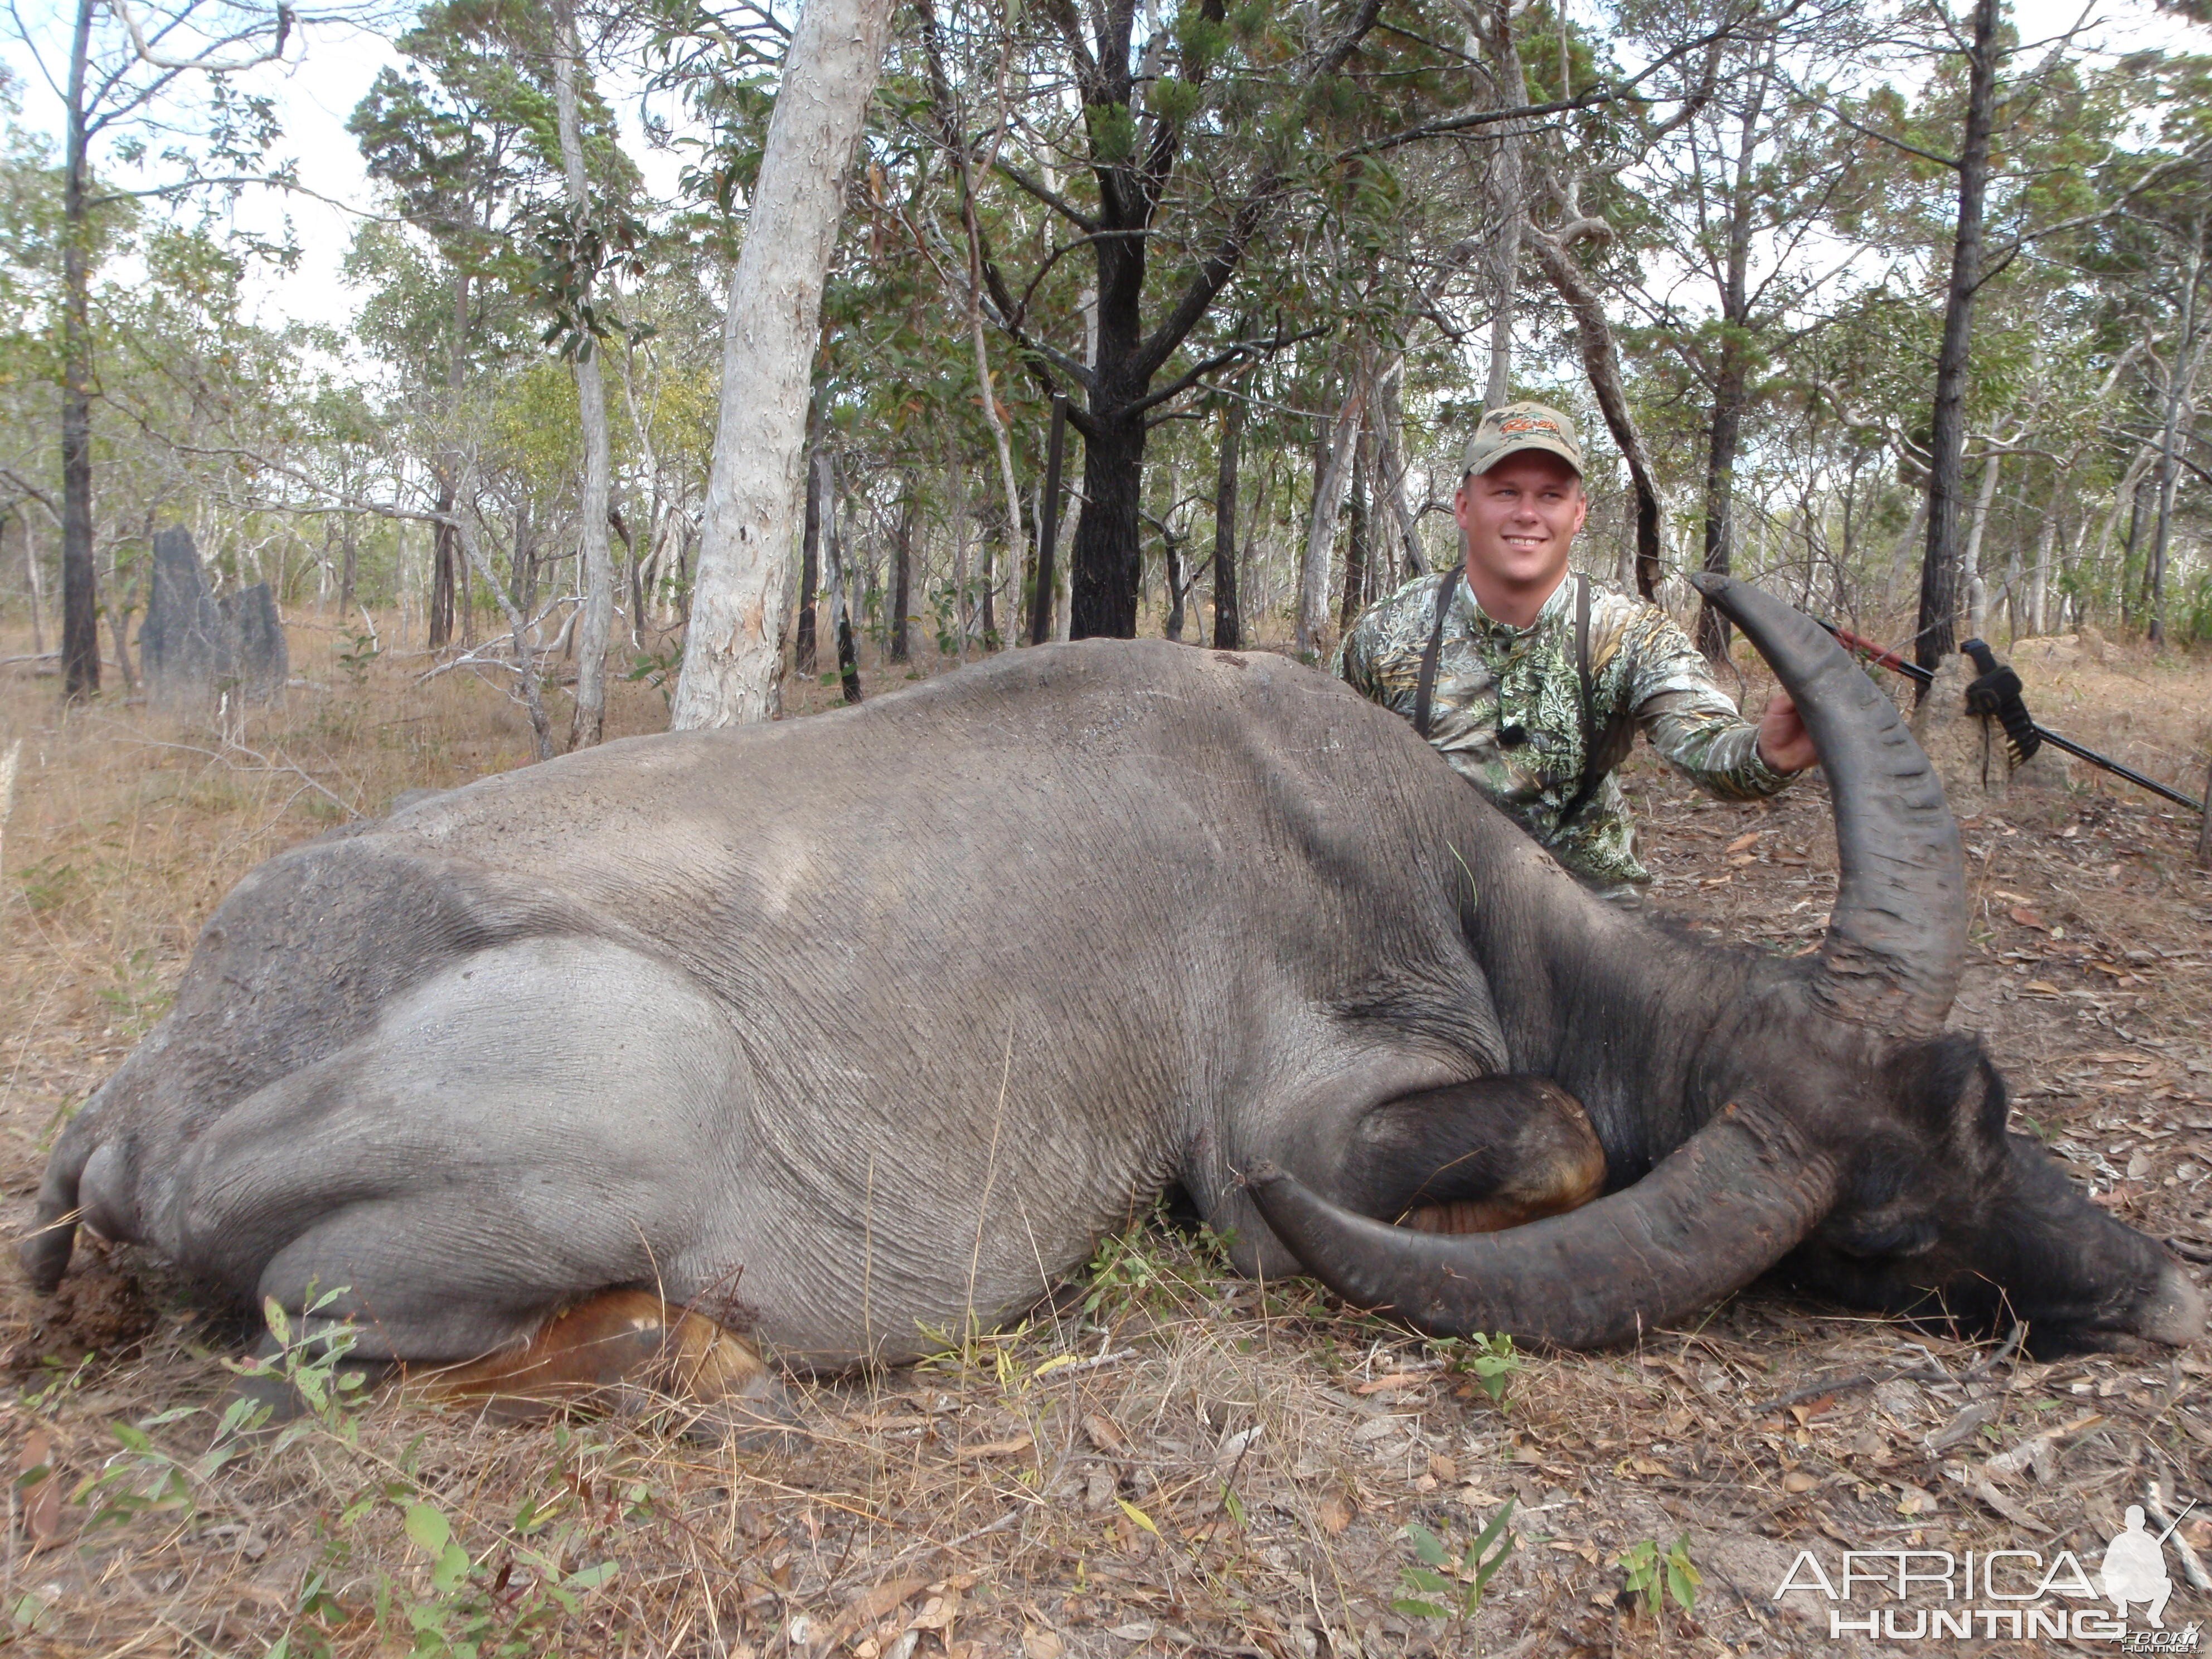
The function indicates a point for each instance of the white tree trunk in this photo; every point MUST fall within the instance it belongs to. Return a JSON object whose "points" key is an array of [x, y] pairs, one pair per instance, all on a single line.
{"points": [[599, 572], [732, 658], [1321, 528], [1983, 500]]}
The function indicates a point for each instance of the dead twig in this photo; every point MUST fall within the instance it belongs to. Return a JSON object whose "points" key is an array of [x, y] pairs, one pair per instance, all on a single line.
{"points": [[261, 763], [2192, 1568], [2004, 1351]]}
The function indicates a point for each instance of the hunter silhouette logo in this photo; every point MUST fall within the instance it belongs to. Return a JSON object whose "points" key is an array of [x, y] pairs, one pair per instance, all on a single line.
{"points": [[1930, 1594], [2135, 1569]]}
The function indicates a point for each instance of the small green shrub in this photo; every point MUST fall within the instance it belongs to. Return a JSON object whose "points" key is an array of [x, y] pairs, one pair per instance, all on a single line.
{"points": [[1656, 1577], [1448, 1584]]}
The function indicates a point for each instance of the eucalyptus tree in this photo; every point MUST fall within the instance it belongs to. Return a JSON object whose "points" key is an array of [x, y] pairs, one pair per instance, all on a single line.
{"points": [[1158, 148], [463, 142], [733, 651], [153, 83], [1739, 204]]}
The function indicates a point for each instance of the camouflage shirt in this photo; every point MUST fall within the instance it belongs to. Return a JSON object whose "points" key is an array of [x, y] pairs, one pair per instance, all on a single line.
{"points": [[1494, 678]]}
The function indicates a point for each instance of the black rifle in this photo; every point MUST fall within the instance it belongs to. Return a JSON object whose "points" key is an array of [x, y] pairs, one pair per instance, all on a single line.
{"points": [[1996, 695]]}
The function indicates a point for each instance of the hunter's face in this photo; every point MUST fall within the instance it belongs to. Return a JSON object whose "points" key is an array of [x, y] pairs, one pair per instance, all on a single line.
{"points": [[1519, 519]]}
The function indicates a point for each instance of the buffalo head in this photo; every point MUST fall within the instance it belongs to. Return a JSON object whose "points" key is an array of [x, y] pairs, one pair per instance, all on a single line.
{"points": [[1842, 1133]]}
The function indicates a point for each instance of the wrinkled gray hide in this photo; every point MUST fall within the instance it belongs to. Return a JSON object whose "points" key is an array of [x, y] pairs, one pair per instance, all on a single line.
{"points": [[729, 1011], [843, 1029]]}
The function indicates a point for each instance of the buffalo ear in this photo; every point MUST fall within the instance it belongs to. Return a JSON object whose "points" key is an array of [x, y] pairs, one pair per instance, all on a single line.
{"points": [[1947, 1090]]}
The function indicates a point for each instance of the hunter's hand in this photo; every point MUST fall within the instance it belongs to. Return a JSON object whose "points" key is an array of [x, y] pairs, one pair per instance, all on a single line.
{"points": [[1784, 742]]}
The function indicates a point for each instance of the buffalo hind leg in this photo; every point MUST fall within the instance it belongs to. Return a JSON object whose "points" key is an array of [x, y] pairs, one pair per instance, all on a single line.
{"points": [[627, 1352], [1474, 1158]]}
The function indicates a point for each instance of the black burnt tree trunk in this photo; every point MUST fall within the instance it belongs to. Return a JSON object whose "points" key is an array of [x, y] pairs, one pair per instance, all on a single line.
{"points": [[1134, 155], [1942, 574], [1042, 598], [901, 568], [1228, 628], [810, 566]]}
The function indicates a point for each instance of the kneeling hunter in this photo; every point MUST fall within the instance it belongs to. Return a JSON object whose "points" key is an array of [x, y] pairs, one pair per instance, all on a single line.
{"points": [[1532, 683]]}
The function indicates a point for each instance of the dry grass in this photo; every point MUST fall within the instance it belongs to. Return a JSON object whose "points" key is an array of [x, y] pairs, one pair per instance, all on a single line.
{"points": [[1237, 1474]]}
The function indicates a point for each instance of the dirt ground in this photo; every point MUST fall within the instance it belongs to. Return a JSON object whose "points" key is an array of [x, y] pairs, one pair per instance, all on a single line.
{"points": [[1164, 1459]]}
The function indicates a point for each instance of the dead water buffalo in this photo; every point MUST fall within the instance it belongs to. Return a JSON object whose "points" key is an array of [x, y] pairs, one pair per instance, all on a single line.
{"points": [[842, 1031]]}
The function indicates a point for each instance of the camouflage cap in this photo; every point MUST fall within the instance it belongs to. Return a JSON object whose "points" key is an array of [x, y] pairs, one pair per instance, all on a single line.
{"points": [[1517, 427]]}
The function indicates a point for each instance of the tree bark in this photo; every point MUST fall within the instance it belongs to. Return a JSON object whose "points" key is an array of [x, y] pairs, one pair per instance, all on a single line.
{"points": [[2134, 541], [1334, 464], [1357, 551], [841, 609], [348, 564], [79, 581], [1228, 625], [1732, 380], [2179, 377], [1177, 582], [1390, 425], [446, 566], [810, 569], [1509, 194], [732, 654], [589, 721], [1943, 573], [901, 578], [956, 504], [38, 586], [1984, 498], [1107, 561], [1600, 355], [1048, 576]]}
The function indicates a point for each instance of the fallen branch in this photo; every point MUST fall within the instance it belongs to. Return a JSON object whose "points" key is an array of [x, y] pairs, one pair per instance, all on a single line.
{"points": [[2192, 1569]]}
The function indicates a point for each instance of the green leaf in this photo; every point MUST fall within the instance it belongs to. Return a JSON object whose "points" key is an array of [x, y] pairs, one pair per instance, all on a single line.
{"points": [[1427, 1545], [452, 1569], [1682, 1585], [1682, 1575], [592, 1579], [1233, 1504], [1138, 1516], [1417, 1610], [1484, 1539], [427, 1526], [1420, 1579]]}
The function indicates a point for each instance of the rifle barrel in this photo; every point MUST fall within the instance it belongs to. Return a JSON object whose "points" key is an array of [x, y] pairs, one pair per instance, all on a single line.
{"points": [[1896, 663], [2116, 769]]}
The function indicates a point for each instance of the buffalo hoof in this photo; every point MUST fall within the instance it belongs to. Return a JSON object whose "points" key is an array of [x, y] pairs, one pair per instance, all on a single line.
{"points": [[625, 1352], [2173, 1313]]}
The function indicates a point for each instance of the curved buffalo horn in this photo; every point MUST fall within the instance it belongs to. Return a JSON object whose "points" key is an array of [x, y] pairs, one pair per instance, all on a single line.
{"points": [[1897, 938], [1724, 1207]]}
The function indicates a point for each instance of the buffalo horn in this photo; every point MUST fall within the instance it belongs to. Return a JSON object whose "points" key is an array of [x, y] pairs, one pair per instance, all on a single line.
{"points": [[1715, 1213], [1897, 936]]}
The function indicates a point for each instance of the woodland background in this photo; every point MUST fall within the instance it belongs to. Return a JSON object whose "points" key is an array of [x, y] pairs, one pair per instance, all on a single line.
{"points": [[1274, 261]]}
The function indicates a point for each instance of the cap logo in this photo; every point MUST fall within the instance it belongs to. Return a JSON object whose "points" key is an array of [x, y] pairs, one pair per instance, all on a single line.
{"points": [[1513, 426]]}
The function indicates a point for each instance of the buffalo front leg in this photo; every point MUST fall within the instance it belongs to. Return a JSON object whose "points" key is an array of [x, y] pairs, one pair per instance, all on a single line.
{"points": [[1473, 1157]]}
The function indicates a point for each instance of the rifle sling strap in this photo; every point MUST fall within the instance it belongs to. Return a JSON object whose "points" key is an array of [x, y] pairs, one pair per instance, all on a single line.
{"points": [[1425, 691]]}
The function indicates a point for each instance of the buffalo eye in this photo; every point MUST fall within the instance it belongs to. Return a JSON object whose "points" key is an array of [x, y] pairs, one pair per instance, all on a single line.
{"points": [[1911, 1236]]}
